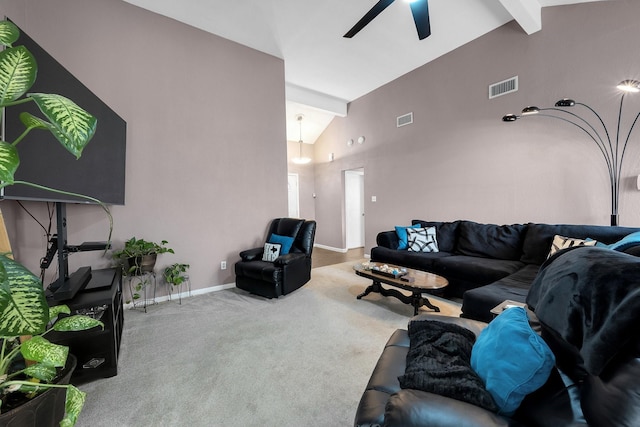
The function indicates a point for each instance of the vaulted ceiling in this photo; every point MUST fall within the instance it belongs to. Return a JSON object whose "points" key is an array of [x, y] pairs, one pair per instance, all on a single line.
{"points": [[323, 70]]}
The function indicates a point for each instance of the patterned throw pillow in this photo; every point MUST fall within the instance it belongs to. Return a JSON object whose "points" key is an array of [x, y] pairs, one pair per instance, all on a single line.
{"points": [[560, 242], [422, 239], [271, 251]]}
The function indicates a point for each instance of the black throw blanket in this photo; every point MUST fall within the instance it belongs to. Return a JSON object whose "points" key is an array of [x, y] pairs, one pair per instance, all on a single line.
{"points": [[589, 297], [438, 361]]}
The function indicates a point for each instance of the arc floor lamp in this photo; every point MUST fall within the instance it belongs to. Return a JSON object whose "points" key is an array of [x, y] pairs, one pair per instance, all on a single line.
{"points": [[613, 147]]}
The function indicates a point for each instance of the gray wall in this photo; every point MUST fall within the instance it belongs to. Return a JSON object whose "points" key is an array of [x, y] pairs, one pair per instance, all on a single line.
{"points": [[306, 178], [206, 153], [459, 161]]}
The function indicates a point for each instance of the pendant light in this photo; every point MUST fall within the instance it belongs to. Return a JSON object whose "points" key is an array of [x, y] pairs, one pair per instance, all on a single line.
{"points": [[300, 160]]}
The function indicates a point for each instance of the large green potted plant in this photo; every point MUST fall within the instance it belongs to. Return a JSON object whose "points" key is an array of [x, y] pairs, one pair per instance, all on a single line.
{"points": [[139, 256], [28, 365]]}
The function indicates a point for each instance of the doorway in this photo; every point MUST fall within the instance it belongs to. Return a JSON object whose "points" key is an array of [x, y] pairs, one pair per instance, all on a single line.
{"points": [[294, 195], [354, 208]]}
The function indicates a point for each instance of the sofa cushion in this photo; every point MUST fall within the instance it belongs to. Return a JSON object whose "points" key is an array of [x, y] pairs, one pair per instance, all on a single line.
{"points": [[480, 271], [512, 359], [446, 233], [416, 260], [477, 303], [538, 237], [489, 240], [422, 240]]}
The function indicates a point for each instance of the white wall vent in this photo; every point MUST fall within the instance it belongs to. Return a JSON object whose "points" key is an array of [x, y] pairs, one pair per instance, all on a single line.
{"points": [[504, 87], [405, 119]]}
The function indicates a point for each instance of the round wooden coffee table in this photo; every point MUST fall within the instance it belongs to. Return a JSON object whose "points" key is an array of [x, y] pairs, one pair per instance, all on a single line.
{"points": [[415, 281]]}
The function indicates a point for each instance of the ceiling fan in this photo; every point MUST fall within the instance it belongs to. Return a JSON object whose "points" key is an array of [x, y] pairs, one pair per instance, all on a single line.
{"points": [[419, 9]]}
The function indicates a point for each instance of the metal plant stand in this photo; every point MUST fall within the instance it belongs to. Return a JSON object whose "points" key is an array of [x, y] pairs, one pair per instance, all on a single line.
{"points": [[144, 284], [178, 288]]}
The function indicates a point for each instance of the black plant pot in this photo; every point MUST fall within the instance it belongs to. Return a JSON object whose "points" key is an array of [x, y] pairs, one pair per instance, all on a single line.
{"points": [[142, 264], [46, 409]]}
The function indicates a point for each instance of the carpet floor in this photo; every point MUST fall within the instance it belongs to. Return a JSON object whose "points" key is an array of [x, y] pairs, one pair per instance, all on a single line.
{"points": [[229, 358]]}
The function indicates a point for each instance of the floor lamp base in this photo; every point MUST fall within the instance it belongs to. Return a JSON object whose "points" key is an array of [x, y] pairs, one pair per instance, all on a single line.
{"points": [[614, 219]]}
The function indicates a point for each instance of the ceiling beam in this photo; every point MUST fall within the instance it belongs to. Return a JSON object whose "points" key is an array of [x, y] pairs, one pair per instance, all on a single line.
{"points": [[318, 100], [527, 13]]}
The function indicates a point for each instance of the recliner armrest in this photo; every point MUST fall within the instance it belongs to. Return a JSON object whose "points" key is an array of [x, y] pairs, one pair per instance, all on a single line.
{"points": [[252, 254], [289, 258]]}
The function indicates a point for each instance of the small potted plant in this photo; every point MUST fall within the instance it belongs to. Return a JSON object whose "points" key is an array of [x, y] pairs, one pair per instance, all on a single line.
{"points": [[175, 275], [139, 256]]}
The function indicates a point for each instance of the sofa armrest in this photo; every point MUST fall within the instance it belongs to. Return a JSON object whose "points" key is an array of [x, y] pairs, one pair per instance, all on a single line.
{"points": [[388, 239], [251, 254], [415, 408]]}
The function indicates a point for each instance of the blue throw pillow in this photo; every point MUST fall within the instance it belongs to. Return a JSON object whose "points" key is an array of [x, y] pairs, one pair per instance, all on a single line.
{"points": [[511, 359], [285, 241], [626, 242], [401, 231]]}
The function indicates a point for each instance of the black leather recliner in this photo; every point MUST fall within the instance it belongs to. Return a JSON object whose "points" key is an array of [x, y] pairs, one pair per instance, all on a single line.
{"points": [[288, 272]]}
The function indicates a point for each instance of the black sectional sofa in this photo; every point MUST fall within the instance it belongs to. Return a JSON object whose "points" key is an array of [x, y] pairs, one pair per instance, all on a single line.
{"points": [[584, 304], [486, 264]]}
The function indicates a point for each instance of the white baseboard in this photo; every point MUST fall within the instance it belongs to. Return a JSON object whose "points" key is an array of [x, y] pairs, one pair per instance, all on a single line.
{"points": [[186, 294], [341, 250], [330, 248]]}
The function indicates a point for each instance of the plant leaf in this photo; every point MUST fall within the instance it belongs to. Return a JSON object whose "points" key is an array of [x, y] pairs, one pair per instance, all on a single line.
{"points": [[42, 350], [70, 124], [73, 405], [9, 162], [57, 309], [31, 121], [18, 71], [41, 371], [9, 33], [76, 323], [23, 307]]}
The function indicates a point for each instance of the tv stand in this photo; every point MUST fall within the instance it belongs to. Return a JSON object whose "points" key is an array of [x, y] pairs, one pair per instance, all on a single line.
{"points": [[97, 349], [74, 283], [67, 285]]}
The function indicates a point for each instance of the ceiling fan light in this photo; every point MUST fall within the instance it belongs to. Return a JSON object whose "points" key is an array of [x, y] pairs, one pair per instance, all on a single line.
{"points": [[301, 160], [629, 86], [565, 102]]}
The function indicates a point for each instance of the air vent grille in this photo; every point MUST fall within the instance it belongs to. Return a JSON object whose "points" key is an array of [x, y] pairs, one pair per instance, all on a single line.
{"points": [[405, 119], [504, 87]]}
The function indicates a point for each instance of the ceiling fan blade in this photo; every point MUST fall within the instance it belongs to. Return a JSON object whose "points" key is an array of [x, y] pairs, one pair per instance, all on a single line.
{"points": [[420, 10], [368, 17]]}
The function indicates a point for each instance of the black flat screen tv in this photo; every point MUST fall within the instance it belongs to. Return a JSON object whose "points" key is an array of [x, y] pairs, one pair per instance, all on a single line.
{"points": [[100, 171]]}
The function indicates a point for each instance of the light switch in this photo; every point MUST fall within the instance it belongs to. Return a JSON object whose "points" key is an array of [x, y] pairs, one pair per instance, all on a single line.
{"points": [[373, 198]]}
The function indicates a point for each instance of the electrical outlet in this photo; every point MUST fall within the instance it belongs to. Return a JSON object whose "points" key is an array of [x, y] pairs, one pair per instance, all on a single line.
{"points": [[223, 265]]}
